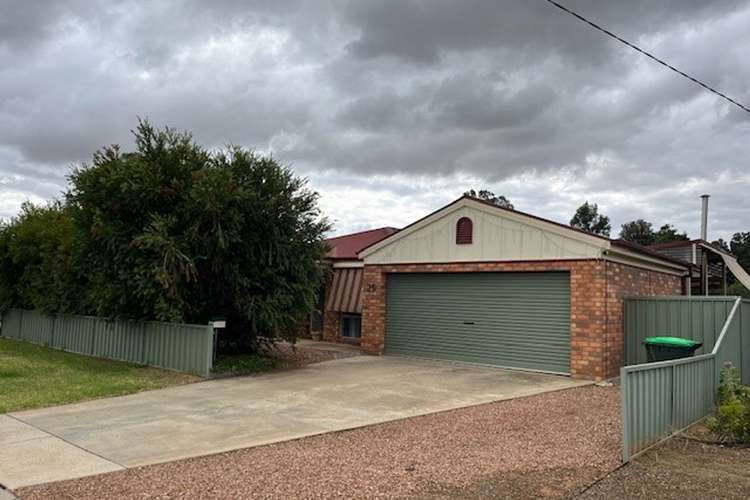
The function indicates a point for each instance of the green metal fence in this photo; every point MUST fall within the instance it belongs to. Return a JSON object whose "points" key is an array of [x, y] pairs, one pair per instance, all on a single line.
{"points": [[659, 399], [696, 318], [174, 346]]}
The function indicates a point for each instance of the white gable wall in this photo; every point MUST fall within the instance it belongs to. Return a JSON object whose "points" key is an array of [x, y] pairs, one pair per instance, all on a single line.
{"points": [[498, 236]]}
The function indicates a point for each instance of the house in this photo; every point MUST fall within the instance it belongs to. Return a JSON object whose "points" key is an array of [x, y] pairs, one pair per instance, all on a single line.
{"points": [[711, 265], [478, 283], [338, 317]]}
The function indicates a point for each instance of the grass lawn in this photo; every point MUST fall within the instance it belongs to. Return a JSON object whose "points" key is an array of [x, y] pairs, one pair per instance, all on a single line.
{"points": [[33, 376]]}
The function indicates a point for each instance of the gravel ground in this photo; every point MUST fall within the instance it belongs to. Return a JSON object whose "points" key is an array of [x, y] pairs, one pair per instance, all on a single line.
{"points": [[550, 445], [683, 468]]}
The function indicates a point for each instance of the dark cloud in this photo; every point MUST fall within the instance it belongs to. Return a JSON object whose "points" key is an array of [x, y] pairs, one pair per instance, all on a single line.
{"points": [[394, 107], [420, 31]]}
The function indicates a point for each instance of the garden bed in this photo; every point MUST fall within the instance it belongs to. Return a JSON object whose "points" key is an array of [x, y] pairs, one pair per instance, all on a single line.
{"points": [[282, 356], [689, 466]]}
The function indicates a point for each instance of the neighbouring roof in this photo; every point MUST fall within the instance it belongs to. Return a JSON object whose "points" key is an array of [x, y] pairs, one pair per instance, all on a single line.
{"points": [[647, 251], [633, 247], [684, 243], [347, 247]]}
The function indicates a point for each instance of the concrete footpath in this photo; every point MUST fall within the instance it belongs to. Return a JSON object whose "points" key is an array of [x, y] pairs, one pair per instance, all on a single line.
{"points": [[6, 495], [94, 437]]}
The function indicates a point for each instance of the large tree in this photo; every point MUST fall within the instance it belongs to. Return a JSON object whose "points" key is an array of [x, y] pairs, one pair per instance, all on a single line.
{"points": [[37, 266], [484, 194], [638, 231], [668, 233], [642, 231], [173, 232], [587, 218], [740, 246]]}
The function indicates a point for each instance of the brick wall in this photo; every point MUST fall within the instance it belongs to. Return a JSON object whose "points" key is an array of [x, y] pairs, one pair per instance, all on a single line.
{"points": [[331, 326], [595, 329], [628, 281]]}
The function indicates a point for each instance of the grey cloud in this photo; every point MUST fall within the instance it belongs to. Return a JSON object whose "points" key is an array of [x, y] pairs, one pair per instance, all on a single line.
{"points": [[405, 102], [419, 31], [474, 101], [23, 24], [376, 112]]}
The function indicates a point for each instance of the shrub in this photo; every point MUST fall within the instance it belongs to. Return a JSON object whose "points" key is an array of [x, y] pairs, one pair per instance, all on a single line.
{"points": [[37, 269], [737, 288], [174, 232], [731, 421]]}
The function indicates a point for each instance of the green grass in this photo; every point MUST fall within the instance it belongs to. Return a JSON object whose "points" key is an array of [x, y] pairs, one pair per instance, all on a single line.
{"points": [[244, 364], [33, 376]]}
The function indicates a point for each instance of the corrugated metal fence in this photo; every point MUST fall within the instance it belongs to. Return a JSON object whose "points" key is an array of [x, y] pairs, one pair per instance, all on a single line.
{"points": [[659, 399], [697, 318], [174, 346]]}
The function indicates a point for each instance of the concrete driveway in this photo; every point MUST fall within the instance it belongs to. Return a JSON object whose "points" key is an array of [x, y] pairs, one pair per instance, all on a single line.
{"points": [[98, 436]]}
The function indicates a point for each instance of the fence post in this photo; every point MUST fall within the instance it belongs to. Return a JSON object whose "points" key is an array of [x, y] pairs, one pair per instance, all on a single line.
{"points": [[624, 387], [211, 353], [673, 414], [52, 331], [93, 337], [144, 361]]}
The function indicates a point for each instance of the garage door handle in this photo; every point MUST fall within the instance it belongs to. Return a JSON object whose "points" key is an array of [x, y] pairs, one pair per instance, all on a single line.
{"points": [[468, 322]]}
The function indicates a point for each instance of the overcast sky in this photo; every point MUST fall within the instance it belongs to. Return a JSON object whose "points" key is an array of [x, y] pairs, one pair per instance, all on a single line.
{"points": [[393, 108]]}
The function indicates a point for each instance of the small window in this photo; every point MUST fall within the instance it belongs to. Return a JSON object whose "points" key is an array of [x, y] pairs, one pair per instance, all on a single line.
{"points": [[351, 326], [464, 230]]}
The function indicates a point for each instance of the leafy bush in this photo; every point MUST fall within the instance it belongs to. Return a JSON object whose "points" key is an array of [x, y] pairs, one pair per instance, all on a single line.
{"points": [[172, 232], [244, 364], [738, 288], [37, 268], [731, 422]]}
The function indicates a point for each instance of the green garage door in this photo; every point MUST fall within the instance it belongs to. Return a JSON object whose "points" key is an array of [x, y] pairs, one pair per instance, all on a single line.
{"points": [[518, 320]]}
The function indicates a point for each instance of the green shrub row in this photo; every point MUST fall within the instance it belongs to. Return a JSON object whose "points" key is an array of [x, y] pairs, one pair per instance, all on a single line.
{"points": [[171, 231], [731, 421]]}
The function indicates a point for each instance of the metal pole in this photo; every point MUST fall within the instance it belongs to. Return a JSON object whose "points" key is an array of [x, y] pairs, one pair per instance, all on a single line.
{"points": [[704, 272], [704, 216]]}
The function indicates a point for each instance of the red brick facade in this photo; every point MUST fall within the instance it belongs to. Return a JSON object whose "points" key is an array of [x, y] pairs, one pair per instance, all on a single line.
{"points": [[596, 288], [628, 281], [331, 326]]}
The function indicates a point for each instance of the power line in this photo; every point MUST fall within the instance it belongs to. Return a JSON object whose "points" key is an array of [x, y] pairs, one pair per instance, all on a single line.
{"points": [[647, 54]]}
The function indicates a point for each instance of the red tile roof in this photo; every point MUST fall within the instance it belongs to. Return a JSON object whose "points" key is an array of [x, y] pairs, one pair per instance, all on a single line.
{"points": [[347, 246]]}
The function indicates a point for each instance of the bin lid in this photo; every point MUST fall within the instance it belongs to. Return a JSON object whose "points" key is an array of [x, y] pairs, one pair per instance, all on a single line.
{"points": [[671, 341]]}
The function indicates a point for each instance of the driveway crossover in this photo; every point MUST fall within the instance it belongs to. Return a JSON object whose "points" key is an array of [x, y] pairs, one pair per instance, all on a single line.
{"points": [[98, 436]]}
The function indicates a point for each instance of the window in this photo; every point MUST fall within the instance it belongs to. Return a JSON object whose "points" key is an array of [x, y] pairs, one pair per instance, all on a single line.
{"points": [[351, 326], [464, 229]]}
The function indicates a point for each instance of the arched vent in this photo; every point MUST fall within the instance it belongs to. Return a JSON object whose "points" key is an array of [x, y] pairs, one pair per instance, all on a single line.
{"points": [[464, 231]]}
